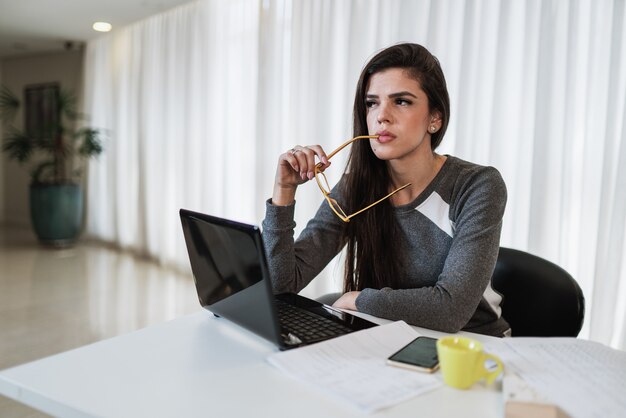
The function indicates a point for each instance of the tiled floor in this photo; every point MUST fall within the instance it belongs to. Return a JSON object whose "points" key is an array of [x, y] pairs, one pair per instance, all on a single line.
{"points": [[53, 300]]}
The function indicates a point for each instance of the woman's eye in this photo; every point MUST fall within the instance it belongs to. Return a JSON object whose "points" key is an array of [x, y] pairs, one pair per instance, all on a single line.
{"points": [[370, 103], [403, 102]]}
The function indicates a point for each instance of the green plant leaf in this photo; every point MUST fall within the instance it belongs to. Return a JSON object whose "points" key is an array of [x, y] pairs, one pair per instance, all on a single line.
{"points": [[9, 103], [91, 144], [18, 145], [67, 105]]}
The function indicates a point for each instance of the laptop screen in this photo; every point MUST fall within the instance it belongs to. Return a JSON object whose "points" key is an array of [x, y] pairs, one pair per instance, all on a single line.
{"points": [[228, 264], [225, 258]]}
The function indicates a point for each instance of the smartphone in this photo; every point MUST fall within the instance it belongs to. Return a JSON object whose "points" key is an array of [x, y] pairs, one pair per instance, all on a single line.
{"points": [[420, 354]]}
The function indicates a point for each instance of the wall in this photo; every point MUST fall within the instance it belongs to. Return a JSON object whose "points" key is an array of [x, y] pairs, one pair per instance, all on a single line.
{"points": [[66, 68]]}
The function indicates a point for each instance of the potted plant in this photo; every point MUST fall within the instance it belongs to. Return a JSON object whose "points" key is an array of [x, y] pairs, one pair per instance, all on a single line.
{"points": [[56, 145]]}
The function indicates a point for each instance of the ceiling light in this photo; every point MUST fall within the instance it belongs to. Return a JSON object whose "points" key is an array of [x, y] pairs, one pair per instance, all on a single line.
{"points": [[102, 26]]}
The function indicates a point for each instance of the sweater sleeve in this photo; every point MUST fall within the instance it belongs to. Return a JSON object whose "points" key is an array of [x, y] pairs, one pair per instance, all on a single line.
{"points": [[476, 213], [292, 265]]}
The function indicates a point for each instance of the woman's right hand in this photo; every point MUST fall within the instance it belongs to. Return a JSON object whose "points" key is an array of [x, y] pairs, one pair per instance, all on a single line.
{"points": [[296, 167]]}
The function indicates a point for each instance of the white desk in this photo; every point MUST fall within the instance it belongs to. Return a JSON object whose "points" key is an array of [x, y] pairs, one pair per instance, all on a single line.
{"points": [[201, 366]]}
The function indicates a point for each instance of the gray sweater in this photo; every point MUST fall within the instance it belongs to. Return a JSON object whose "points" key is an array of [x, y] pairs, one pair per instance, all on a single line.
{"points": [[448, 254]]}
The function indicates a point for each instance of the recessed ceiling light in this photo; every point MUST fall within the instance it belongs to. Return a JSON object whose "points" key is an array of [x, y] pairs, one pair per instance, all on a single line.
{"points": [[102, 26]]}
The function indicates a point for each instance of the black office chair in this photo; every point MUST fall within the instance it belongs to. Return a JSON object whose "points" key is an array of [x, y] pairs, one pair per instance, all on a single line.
{"points": [[540, 299]]}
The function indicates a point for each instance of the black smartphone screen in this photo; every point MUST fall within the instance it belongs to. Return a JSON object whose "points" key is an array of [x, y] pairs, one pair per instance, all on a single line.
{"points": [[421, 352]]}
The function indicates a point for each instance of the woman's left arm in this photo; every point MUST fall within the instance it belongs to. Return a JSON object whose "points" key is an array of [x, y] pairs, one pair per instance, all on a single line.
{"points": [[450, 303]]}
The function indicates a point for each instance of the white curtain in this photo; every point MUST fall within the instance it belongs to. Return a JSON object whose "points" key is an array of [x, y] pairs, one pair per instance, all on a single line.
{"points": [[177, 94], [200, 101]]}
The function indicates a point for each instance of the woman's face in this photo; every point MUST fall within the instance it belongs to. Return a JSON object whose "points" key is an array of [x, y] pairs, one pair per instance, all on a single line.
{"points": [[397, 110]]}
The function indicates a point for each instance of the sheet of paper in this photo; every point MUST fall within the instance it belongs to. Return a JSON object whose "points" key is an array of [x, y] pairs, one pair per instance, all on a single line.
{"points": [[584, 378], [353, 367]]}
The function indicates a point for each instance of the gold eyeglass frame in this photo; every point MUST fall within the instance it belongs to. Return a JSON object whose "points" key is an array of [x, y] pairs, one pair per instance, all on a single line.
{"points": [[334, 205]]}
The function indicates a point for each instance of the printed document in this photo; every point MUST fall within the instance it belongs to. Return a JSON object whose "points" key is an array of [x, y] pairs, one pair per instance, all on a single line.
{"points": [[353, 367], [586, 379]]}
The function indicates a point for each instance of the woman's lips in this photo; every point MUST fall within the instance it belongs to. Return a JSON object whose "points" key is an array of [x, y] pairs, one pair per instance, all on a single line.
{"points": [[385, 136]]}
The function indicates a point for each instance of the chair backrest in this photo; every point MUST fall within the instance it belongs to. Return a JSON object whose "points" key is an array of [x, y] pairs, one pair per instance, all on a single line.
{"points": [[539, 298]]}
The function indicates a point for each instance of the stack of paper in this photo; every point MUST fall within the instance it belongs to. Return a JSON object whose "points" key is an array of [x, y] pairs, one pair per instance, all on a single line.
{"points": [[584, 378], [353, 367]]}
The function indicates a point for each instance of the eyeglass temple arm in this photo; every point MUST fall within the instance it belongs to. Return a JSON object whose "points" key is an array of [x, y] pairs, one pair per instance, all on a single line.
{"points": [[345, 144], [377, 202], [348, 142]]}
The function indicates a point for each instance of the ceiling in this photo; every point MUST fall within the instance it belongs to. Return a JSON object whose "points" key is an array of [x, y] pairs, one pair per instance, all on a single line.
{"points": [[35, 26]]}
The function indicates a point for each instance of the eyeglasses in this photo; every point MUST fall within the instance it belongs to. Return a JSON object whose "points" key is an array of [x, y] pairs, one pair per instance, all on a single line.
{"points": [[325, 187]]}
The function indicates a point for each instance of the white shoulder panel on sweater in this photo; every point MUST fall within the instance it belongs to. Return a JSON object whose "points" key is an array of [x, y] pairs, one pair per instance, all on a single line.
{"points": [[494, 300], [437, 210]]}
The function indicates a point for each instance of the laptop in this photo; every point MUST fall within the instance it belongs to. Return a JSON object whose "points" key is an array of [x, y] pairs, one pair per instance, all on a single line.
{"points": [[232, 280]]}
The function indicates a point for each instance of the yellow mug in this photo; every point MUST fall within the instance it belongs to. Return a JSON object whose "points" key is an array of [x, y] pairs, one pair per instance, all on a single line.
{"points": [[462, 362]]}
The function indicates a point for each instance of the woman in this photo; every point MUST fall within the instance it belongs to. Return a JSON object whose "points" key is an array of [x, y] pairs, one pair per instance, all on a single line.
{"points": [[426, 254]]}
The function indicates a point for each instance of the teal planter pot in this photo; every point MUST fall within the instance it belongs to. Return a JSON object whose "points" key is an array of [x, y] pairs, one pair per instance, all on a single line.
{"points": [[56, 213]]}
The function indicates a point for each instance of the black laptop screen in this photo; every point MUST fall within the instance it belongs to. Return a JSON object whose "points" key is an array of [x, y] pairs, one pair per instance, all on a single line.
{"points": [[226, 260]]}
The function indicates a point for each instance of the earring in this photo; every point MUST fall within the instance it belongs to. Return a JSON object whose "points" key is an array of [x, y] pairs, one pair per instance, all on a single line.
{"points": [[433, 128]]}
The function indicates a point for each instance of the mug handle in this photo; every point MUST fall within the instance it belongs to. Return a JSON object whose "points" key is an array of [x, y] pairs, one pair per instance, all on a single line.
{"points": [[491, 376]]}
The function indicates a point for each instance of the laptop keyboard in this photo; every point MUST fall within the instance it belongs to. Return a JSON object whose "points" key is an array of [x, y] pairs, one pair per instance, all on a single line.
{"points": [[307, 326]]}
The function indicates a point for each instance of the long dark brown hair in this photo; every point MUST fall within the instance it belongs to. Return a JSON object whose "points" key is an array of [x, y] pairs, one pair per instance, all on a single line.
{"points": [[372, 236]]}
